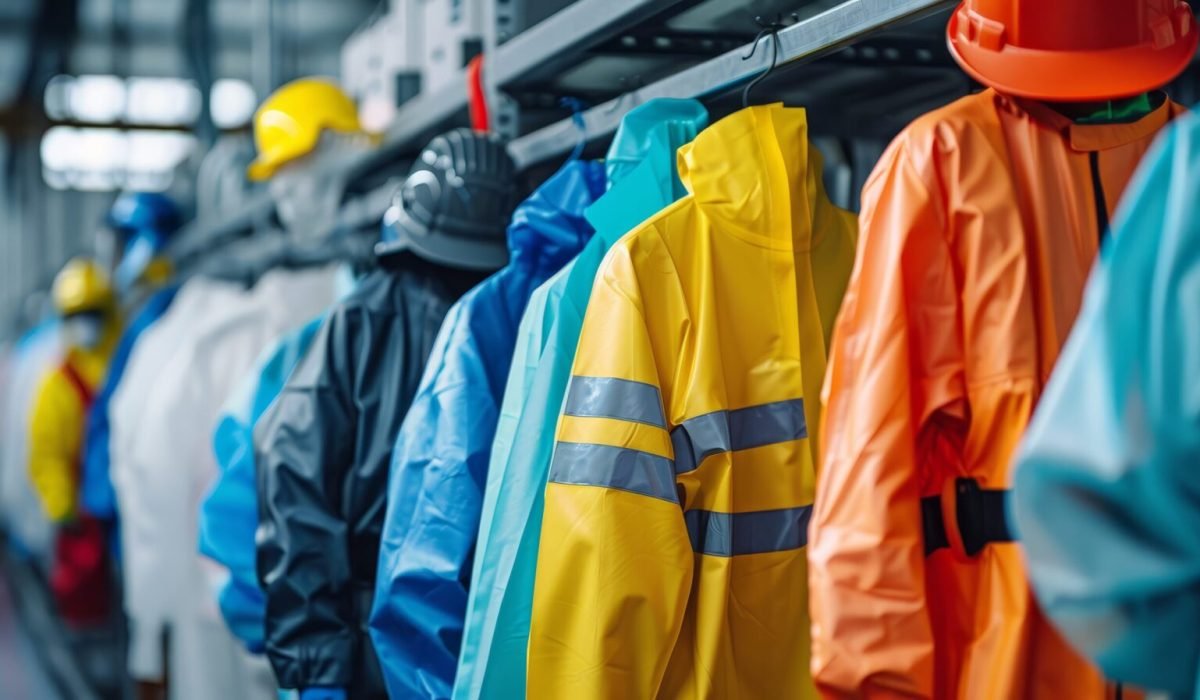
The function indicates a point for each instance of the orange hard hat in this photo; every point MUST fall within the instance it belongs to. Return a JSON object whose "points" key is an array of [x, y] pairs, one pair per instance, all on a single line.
{"points": [[1073, 50]]}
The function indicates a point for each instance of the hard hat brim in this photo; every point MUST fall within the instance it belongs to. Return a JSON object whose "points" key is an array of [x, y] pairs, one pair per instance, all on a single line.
{"points": [[1072, 76], [456, 253], [264, 166]]}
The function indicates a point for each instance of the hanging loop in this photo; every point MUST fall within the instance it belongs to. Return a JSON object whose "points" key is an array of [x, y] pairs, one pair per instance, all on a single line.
{"points": [[577, 107]]}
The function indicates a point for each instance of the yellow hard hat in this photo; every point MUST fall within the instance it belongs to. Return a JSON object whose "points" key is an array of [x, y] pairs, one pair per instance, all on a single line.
{"points": [[82, 285], [289, 122]]}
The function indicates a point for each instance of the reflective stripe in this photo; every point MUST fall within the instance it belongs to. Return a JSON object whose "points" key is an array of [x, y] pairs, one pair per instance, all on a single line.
{"points": [[609, 397], [615, 468], [729, 431], [733, 534]]}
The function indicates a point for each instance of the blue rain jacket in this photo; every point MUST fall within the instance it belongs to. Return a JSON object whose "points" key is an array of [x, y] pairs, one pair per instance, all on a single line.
{"points": [[439, 466], [229, 512], [96, 493], [643, 180], [1107, 488]]}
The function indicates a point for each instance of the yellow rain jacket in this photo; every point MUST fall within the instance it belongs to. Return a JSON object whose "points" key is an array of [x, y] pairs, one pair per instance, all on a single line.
{"points": [[672, 558], [57, 423]]}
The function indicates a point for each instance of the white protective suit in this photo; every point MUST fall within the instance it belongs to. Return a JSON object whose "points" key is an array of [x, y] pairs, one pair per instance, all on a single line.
{"points": [[163, 415]]}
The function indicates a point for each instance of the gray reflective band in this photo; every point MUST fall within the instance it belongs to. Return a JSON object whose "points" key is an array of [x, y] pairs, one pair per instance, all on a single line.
{"points": [[609, 397], [729, 431], [614, 468], [734, 534]]}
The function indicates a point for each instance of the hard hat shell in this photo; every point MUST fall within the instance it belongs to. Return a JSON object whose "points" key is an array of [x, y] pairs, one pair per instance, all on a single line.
{"points": [[288, 124], [455, 204], [1073, 50], [81, 286]]}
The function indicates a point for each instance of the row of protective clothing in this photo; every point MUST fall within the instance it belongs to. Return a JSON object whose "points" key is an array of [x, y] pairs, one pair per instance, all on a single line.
{"points": [[608, 481], [702, 422]]}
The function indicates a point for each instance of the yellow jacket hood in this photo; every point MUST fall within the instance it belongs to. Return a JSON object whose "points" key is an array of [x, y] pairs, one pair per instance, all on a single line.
{"points": [[741, 169]]}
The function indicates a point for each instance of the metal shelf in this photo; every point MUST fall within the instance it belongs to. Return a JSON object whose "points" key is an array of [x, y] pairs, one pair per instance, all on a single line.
{"points": [[586, 28]]}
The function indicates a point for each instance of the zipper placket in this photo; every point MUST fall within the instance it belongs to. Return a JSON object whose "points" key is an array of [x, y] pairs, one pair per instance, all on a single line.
{"points": [[1098, 197]]}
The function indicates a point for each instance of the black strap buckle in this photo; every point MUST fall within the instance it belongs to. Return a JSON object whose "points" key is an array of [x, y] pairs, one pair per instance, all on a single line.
{"points": [[980, 516]]}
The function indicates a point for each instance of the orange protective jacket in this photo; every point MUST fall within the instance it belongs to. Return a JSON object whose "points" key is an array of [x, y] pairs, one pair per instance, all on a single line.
{"points": [[977, 232]]}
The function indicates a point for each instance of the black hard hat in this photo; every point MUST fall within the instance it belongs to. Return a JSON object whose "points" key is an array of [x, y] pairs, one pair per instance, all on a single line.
{"points": [[454, 206]]}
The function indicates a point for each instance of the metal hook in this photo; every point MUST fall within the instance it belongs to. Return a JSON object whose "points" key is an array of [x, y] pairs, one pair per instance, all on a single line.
{"points": [[766, 29]]}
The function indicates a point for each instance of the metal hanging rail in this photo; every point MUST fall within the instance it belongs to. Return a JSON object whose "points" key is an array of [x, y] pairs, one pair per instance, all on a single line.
{"points": [[805, 40]]}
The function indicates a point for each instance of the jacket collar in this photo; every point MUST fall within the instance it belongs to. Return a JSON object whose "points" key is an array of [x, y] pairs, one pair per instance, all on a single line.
{"points": [[548, 228], [754, 174], [641, 165], [1095, 137]]}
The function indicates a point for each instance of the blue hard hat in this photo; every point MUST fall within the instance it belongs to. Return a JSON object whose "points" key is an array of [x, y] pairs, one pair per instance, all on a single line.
{"points": [[147, 220], [136, 211]]}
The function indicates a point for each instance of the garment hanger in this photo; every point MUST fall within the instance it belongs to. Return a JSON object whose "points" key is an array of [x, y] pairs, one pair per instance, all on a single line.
{"points": [[766, 29]]}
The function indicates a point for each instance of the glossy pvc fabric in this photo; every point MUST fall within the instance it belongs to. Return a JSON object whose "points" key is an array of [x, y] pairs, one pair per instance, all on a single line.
{"points": [[642, 180], [670, 563], [96, 494], [229, 512], [173, 461], [322, 451], [439, 468], [978, 229], [58, 421], [24, 519], [1105, 490]]}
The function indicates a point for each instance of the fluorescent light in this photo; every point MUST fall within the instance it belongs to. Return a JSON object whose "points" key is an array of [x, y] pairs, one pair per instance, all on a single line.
{"points": [[165, 101], [233, 103], [108, 99], [97, 98], [107, 159]]}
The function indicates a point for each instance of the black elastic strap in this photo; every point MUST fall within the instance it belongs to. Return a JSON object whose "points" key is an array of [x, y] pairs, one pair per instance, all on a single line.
{"points": [[982, 518]]}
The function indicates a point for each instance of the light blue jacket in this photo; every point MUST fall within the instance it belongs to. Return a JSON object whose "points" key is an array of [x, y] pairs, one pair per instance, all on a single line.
{"points": [[643, 180], [229, 512], [439, 466], [1107, 489]]}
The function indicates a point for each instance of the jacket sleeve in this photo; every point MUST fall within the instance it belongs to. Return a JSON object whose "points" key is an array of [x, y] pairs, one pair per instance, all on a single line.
{"points": [[305, 444], [229, 515], [1106, 488], [866, 555], [615, 563], [56, 415], [435, 492], [493, 549]]}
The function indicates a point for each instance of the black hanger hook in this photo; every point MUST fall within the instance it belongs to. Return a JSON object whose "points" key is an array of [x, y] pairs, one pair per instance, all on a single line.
{"points": [[766, 29]]}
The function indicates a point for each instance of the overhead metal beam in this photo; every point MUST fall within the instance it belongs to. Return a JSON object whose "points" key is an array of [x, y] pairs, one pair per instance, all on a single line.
{"points": [[803, 41], [548, 46]]}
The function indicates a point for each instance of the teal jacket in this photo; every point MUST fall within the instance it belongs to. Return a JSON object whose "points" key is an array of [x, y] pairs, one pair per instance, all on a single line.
{"points": [[642, 177], [1107, 487]]}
